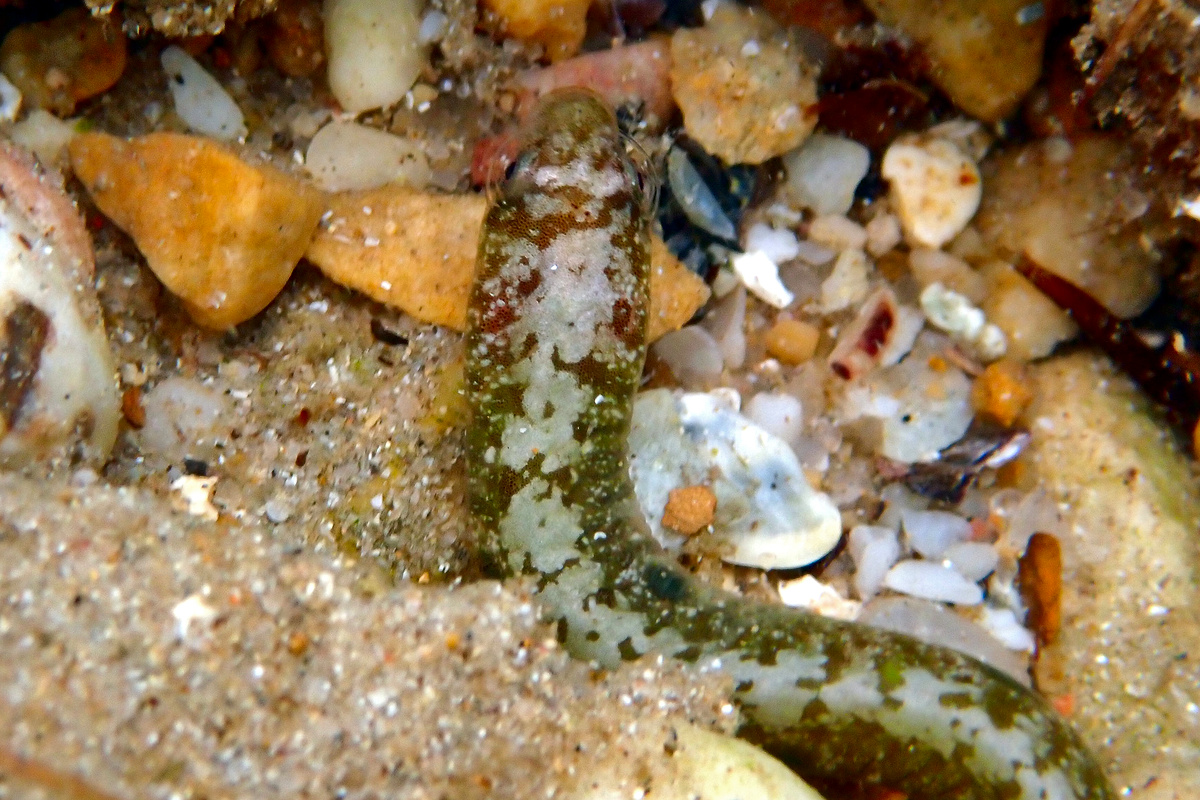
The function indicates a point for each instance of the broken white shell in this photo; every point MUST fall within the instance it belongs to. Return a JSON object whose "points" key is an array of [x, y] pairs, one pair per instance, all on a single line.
{"points": [[767, 515]]}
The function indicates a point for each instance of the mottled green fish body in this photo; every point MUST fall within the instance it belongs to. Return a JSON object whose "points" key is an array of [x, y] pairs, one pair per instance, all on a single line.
{"points": [[555, 350]]}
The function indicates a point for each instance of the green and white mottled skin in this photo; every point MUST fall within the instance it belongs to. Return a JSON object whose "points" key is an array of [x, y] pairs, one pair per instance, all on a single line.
{"points": [[554, 355]]}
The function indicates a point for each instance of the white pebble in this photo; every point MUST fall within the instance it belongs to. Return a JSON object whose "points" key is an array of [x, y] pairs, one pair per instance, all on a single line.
{"points": [[809, 593], [1002, 623], [848, 283], [778, 414], [874, 549], [883, 234], [838, 232], [823, 173], [10, 100], [760, 274], [375, 51], [975, 560], [932, 581], [935, 188], [45, 134], [692, 355], [200, 99], [931, 532], [779, 244], [346, 155], [433, 26]]}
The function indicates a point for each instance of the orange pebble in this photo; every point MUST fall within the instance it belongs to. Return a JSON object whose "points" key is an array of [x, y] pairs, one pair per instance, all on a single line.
{"points": [[1002, 392], [792, 341], [690, 509]]}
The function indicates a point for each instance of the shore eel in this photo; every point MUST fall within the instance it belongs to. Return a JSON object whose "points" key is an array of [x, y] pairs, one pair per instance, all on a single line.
{"points": [[555, 350]]}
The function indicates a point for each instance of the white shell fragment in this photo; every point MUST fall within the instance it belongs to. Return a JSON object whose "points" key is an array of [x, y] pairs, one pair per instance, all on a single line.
{"points": [[823, 173], [346, 155], [874, 549], [932, 580], [921, 410], [760, 274], [953, 313], [10, 100], [767, 514], [881, 334], [931, 532], [935, 187], [820, 598], [200, 99], [375, 51], [58, 395]]}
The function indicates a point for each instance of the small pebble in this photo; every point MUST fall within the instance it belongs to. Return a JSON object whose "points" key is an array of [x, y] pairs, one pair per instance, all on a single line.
{"points": [[974, 560], [931, 532], [557, 25], [689, 509], [65, 60], [820, 598], [347, 155], [848, 284], [232, 258], [883, 234], [932, 581], [200, 99], [375, 51], [792, 341], [837, 232], [874, 549], [1002, 392], [1003, 624], [779, 244], [10, 100], [935, 188], [953, 313], [761, 276], [984, 55], [45, 135], [937, 266], [742, 108], [294, 38], [823, 173], [692, 355]]}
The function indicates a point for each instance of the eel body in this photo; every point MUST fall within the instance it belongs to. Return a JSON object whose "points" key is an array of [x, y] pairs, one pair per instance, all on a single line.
{"points": [[555, 349]]}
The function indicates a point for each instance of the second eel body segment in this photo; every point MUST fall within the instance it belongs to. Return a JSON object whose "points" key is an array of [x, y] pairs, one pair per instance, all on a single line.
{"points": [[555, 349]]}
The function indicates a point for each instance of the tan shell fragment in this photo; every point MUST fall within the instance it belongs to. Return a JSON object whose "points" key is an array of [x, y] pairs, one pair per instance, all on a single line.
{"points": [[222, 234], [416, 251]]}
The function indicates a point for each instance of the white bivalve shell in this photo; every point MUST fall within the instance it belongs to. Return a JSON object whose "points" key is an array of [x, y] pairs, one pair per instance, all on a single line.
{"points": [[58, 394], [767, 515]]}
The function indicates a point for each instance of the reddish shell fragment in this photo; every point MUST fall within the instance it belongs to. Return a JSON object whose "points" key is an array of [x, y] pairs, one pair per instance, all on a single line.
{"points": [[860, 349]]}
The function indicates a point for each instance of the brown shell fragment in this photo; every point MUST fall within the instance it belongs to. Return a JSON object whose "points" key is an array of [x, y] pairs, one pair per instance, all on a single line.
{"points": [[1040, 580]]}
